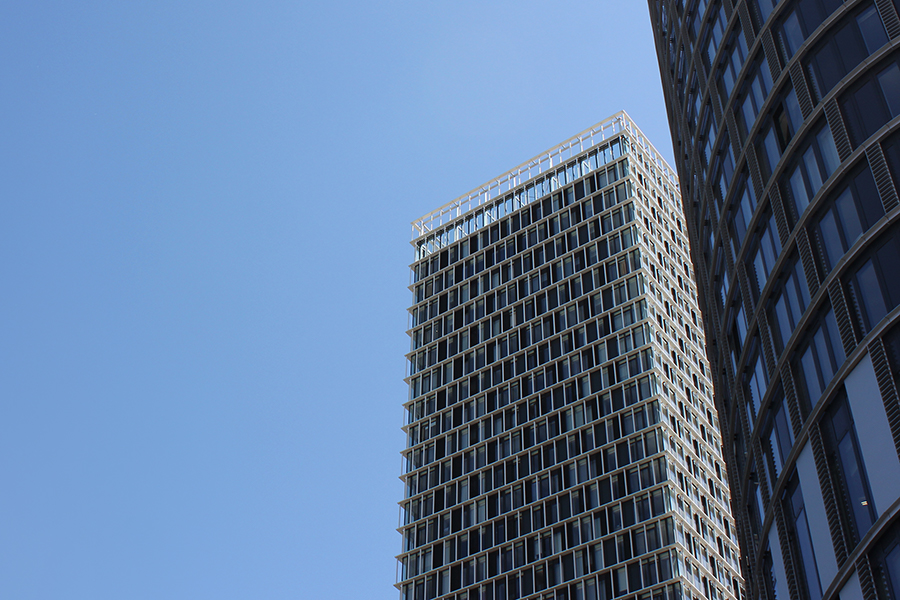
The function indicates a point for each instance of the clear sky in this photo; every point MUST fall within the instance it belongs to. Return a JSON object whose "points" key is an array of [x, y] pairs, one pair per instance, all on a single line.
{"points": [[204, 250]]}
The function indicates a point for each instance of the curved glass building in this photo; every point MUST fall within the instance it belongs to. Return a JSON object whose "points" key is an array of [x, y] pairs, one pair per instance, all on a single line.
{"points": [[786, 133]]}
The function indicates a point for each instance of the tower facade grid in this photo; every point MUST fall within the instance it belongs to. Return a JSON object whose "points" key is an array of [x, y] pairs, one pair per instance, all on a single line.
{"points": [[785, 119], [562, 440]]}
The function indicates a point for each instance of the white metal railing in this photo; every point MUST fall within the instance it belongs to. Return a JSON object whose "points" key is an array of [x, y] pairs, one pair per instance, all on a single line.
{"points": [[458, 211]]}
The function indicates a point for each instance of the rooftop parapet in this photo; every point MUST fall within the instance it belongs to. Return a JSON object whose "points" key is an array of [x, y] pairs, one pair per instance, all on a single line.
{"points": [[433, 230]]}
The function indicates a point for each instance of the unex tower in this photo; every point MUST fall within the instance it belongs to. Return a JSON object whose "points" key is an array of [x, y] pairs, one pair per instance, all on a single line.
{"points": [[562, 437]]}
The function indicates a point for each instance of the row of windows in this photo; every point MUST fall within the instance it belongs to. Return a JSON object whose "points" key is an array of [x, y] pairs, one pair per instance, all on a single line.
{"points": [[525, 327], [531, 414], [873, 100], [849, 484], [814, 364], [546, 456], [619, 481], [601, 324], [493, 216], [815, 162], [523, 312], [543, 485], [856, 508], [868, 285], [853, 209], [874, 290], [613, 399], [848, 44], [850, 210], [551, 576], [533, 260], [612, 245], [600, 493], [646, 538], [602, 496], [605, 325], [524, 363], [819, 159], [808, 174], [450, 275], [554, 427]]}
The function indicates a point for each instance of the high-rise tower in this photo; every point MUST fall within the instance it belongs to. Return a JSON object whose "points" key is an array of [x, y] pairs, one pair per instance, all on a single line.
{"points": [[562, 438], [784, 118]]}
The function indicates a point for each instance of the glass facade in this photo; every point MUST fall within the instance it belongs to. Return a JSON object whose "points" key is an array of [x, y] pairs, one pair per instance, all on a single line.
{"points": [[796, 257], [562, 441]]}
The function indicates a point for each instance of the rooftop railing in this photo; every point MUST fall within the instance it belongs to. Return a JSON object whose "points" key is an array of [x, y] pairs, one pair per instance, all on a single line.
{"points": [[461, 210]]}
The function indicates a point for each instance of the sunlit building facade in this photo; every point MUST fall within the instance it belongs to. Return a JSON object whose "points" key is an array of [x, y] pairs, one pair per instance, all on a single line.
{"points": [[562, 437], [785, 127]]}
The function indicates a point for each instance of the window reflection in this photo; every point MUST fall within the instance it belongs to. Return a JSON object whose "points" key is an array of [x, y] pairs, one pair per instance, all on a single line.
{"points": [[816, 162], [854, 209], [788, 306], [819, 360], [800, 22], [849, 44], [885, 560], [873, 284], [849, 471], [872, 102], [777, 435], [801, 541]]}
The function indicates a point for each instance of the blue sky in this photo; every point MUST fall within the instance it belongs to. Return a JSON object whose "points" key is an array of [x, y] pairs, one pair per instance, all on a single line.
{"points": [[204, 250]]}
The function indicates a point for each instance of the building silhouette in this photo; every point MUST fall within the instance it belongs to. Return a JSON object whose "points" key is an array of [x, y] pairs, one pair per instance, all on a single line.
{"points": [[787, 142], [562, 437]]}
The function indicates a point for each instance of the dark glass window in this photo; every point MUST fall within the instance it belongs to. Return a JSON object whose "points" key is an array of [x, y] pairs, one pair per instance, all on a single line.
{"points": [[769, 579], [872, 102], [874, 284], [777, 436], [801, 542], [816, 160], [892, 154], [737, 333], [892, 344], [753, 94], [885, 561], [844, 219], [756, 380], [765, 8], [797, 24], [693, 104], [734, 58], [724, 171], [788, 305], [818, 360], [708, 137], [741, 212], [851, 42], [761, 258], [786, 118], [721, 278], [848, 469], [715, 31], [697, 14]]}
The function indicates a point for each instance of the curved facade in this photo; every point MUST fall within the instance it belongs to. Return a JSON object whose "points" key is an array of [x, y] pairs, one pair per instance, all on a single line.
{"points": [[786, 132]]}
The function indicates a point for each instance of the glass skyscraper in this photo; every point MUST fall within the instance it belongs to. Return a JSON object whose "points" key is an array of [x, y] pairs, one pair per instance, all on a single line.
{"points": [[784, 118], [562, 437]]}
